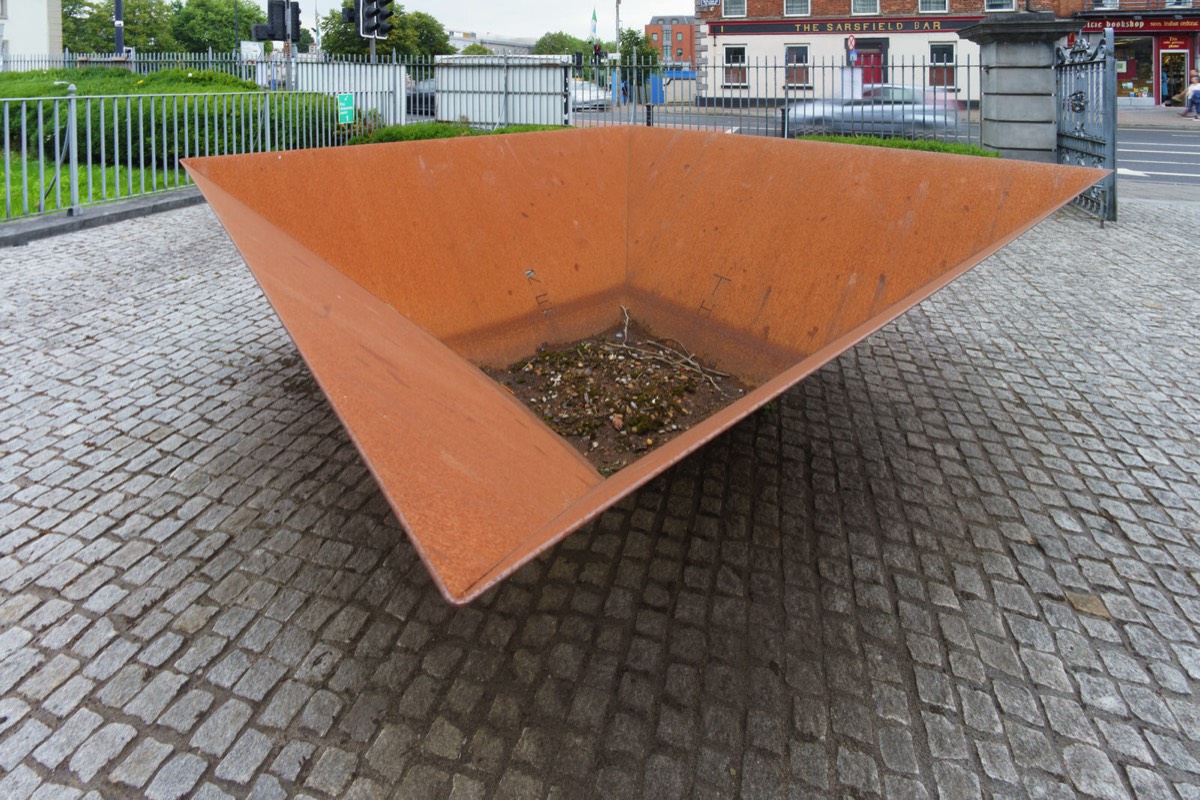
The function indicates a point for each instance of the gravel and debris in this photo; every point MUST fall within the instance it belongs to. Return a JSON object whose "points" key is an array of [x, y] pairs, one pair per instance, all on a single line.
{"points": [[617, 395]]}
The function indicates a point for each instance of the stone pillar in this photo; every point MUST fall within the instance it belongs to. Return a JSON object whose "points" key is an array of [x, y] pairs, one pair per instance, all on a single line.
{"points": [[1018, 107]]}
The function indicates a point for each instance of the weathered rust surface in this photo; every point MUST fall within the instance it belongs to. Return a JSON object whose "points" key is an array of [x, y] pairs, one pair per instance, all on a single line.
{"points": [[398, 268]]}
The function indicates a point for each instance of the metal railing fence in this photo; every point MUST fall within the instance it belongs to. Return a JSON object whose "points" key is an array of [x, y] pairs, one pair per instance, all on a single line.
{"points": [[67, 153], [63, 153]]}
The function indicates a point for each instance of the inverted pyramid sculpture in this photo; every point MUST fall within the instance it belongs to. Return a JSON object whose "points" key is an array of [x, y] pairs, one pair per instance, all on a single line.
{"points": [[399, 269]]}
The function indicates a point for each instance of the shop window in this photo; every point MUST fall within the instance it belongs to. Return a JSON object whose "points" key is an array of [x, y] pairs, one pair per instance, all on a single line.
{"points": [[1135, 66], [797, 8], [941, 65], [933, 6], [796, 56], [864, 6], [999, 5], [735, 67], [735, 8]]}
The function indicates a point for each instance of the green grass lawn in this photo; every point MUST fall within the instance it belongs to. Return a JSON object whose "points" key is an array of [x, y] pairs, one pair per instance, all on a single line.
{"points": [[92, 81], [927, 145], [24, 188]]}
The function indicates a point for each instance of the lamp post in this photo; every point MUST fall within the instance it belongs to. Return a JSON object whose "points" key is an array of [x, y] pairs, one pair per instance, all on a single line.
{"points": [[119, 23]]}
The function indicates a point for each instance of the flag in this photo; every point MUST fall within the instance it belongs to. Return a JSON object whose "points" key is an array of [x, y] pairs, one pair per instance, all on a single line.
{"points": [[593, 23]]}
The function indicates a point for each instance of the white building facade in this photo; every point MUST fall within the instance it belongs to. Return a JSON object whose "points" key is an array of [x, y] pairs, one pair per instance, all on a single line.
{"points": [[30, 27]]}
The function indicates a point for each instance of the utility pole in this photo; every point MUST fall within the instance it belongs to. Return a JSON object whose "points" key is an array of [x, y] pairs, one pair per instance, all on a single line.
{"points": [[119, 21]]}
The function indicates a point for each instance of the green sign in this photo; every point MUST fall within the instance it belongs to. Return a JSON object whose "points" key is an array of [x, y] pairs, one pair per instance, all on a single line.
{"points": [[345, 109]]}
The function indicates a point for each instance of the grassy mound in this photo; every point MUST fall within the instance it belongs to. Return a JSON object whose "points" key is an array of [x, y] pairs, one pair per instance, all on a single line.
{"points": [[928, 145], [439, 130], [93, 81]]}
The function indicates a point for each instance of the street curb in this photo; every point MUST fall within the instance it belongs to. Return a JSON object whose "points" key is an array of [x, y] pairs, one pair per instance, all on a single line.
{"points": [[22, 232]]}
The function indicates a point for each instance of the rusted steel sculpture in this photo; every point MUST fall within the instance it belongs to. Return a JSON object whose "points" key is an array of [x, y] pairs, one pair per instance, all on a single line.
{"points": [[399, 269]]}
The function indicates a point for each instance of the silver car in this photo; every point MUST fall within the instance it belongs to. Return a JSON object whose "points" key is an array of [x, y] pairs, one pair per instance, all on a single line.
{"points": [[883, 110]]}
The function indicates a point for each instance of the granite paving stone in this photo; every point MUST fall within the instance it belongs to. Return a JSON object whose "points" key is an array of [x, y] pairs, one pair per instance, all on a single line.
{"points": [[961, 560]]}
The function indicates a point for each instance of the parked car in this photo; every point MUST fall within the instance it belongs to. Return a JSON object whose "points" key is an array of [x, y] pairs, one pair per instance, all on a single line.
{"points": [[883, 110], [589, 95], [421, 98]]}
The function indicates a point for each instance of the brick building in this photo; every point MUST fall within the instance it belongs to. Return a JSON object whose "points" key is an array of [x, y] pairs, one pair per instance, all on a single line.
{"points": [[1156, 39], [674, 36]]}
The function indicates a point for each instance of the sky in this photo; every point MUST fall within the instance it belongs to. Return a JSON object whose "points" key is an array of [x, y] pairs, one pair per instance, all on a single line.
{"points": [[521, 19]]}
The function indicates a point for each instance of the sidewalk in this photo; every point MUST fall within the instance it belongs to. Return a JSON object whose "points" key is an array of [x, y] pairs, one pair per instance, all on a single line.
{"points": [[958, 561], [1155, 117]]}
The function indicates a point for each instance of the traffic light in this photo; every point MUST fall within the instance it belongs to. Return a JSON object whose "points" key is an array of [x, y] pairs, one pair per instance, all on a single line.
{"points": [[368, 11], [383, 26], [373, 18], [295, 8], [276, 22], [276, 28], [596, 52]]}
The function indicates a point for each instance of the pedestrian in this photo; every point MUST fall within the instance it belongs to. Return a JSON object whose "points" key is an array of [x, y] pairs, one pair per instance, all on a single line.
{"points": [[1190, 95]]}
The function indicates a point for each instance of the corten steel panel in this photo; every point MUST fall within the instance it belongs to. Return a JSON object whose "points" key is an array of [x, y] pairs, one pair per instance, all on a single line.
{"points": [[397, 268]]}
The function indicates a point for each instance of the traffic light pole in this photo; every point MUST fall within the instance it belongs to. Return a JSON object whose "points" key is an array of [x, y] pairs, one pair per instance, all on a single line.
{"points": [[287, 47], [372, 40], [617, 75]]}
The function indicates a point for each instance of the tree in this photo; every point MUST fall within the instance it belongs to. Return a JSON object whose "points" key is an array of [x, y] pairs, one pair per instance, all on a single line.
{"points": [[424, 34], [306, 40], [639, 57], [475, 49], [85, 28], [88, 25], [413, 34], [558, 43], [201, 24]]}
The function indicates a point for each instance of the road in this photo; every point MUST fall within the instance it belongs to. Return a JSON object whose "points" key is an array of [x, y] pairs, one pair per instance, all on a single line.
{"points": [[1159, 157]]}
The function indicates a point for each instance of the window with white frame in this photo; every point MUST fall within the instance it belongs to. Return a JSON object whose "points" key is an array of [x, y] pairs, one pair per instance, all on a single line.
{"points": [[734, 8], [999, 5], [933, 6], [1108, 4], [797, 8], [1179, 3], [735, 66], [796, 58], [941, 65], [864, 6], [679, 36]]}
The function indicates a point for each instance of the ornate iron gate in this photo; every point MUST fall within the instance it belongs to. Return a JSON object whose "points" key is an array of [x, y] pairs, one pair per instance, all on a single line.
{"points": [[1086, 82]]}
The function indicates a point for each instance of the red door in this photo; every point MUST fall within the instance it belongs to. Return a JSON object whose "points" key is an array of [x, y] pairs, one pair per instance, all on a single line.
{"points": [[871, 62]]}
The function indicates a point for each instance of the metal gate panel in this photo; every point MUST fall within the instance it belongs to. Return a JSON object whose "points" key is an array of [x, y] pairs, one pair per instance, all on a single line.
{"points": [[1086, 83]]}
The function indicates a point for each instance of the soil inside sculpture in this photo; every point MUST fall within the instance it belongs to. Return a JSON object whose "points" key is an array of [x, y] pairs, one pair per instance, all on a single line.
{"points": [[618, 395]]}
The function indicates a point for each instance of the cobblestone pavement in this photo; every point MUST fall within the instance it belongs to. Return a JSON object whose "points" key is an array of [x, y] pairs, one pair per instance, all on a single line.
{"points": [[961, 560]]}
